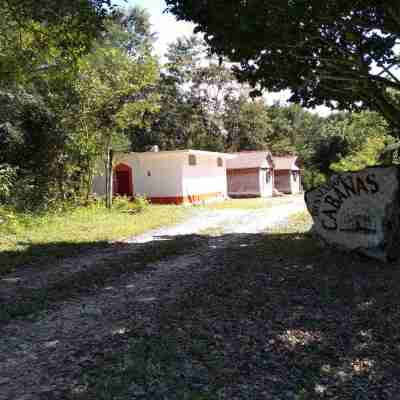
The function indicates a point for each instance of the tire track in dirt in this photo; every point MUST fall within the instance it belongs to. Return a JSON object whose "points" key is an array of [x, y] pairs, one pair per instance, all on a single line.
{"points": [[46, 357]]}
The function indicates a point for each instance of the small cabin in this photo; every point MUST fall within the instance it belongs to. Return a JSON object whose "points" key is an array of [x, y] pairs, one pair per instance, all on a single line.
{"points": [[169, 177], [250, 174], [287, 178]]}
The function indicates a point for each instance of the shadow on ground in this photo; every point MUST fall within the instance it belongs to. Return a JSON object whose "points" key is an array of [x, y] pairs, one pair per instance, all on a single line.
{"points": [[275, 318], [43, 255], [44, 275]]}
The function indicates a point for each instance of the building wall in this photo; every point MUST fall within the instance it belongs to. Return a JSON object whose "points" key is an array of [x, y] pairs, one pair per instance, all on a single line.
{"points": [[244, 182], [204, 181], [170, 179], [266, 187], [295, 183], [157, 177]]}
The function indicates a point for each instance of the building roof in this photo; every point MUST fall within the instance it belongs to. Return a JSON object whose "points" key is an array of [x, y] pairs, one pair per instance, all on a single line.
{"points": [[167, 153], [250, 159], [285, 163]]}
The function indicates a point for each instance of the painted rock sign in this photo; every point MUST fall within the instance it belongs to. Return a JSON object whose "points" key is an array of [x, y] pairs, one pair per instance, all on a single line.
{"points": [[359, 211]]}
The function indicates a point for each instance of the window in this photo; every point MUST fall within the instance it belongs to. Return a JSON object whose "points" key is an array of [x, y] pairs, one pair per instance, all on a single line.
{"points": [[192, 159], [295, 174], [220, 162]]}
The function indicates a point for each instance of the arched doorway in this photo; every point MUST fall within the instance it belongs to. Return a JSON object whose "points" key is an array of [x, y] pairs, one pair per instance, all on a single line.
{"points": [[123, 180]]}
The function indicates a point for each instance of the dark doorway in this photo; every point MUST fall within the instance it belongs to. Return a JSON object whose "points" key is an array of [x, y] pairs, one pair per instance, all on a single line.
{"points": [[123, 180]]}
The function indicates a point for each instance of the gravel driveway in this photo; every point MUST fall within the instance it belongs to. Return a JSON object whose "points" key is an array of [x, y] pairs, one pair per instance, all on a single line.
{"points": [[44, 356], [227, 221]]}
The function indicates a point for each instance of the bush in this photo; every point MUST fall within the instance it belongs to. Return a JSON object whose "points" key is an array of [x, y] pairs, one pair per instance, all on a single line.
{"points": [[140, 204], [11, 221], [8, 176], [125, 204], [312, 178], [121, 203], [8, 220]]}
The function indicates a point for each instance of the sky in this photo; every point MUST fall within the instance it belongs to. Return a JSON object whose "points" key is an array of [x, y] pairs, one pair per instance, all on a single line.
{"points": [[168, 29], [165, 25]]}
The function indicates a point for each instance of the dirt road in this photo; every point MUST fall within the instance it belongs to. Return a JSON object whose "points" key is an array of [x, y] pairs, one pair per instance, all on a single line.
{"points": [[44, 355], [227, 221]]}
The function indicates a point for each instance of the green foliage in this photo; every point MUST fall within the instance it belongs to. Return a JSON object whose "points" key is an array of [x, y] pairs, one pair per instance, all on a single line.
{"points": [[39, 36], [33, 143], [363, 156], [130, 30], [8, 220], [46, 237], [126, 204], [192, 91], [113, 90], [343, 142], [247, 124], [328, 151], [311, 178], [338, 53], [121, 203], [56, 125], [68, 94], [140, 204], [292, 126], [8, 177]]}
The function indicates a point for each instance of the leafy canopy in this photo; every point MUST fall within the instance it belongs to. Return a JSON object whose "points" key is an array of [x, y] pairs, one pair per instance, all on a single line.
{"points": [[38, 35], [58, 114], [335, 52]]}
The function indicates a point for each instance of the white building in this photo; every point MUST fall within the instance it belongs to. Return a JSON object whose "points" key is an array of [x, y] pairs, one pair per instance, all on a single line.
{"points": [[169, 177]]}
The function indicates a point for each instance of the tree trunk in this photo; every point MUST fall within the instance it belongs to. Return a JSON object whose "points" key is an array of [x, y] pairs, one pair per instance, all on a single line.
{"points": [[109, 178]]}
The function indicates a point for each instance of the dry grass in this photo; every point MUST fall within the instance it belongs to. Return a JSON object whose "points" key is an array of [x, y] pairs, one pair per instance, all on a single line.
{"points": [[28, 239]]}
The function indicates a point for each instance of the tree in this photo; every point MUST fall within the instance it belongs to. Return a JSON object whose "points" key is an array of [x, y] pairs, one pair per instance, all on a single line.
{"points": [[34, 145], [292, 126], [367, 135], [339, 53], [55, 125], [114, 89], [247, 125], [130, 30], [343, 142], [192, 91], [36, 36]]}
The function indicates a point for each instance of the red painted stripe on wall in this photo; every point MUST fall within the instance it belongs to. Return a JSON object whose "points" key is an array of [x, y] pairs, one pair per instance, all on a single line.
{"points": [[191, 199]]}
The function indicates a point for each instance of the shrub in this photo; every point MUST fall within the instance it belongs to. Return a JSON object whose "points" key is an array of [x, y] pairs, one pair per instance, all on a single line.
{"points": [[140, 204], [8, 176], [312, 178], [8, 220], [121, 203], [126, 204]]}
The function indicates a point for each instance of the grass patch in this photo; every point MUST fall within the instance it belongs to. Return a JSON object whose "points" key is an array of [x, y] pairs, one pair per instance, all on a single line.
{"points": [[300, 222], [249, 203], [34, 240], [212, 231]]}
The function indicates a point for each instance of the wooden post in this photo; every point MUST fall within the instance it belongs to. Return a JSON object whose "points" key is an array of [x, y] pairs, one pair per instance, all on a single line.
{"points": [[109, 178]]}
